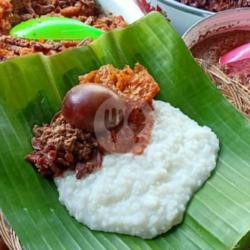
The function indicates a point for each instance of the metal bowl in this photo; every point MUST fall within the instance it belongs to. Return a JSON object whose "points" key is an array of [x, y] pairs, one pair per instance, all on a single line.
{"points": [[181, 15]]}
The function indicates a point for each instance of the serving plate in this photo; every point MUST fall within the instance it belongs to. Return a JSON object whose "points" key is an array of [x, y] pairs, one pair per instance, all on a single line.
{"points": [[218, 217]]}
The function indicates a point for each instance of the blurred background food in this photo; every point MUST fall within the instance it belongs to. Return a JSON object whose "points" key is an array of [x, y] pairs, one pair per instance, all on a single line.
{"points": [[211, 28], [16, 11], [212, 38], [13, 12]]}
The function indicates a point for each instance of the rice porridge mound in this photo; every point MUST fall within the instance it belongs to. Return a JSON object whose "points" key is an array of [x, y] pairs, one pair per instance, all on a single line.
{"points": [[145, 195]]}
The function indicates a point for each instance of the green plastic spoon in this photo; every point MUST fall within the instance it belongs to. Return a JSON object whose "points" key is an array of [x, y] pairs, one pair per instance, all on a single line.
{"points": [[55, 28]]}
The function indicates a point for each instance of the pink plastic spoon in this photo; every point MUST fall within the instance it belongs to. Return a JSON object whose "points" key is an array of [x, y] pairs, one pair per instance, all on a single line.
{"points": [[235, 55]]}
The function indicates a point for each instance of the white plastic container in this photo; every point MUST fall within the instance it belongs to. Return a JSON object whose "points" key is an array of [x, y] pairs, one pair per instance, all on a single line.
{"points": [[126, 8]]}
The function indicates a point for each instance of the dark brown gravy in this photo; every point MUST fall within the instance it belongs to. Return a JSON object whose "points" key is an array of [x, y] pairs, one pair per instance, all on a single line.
{"points": [[216, 5], [213, 47]]}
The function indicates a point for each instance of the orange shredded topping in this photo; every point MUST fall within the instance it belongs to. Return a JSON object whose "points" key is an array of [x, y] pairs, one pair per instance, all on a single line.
{"points": [[135, 84]]}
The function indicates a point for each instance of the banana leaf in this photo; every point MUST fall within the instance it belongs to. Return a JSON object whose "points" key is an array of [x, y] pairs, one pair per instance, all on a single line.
{"points": [[31, 91]]}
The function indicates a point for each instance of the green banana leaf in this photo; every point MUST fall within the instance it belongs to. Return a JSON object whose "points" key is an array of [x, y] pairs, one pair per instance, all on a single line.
{"points": [[31, 91]]}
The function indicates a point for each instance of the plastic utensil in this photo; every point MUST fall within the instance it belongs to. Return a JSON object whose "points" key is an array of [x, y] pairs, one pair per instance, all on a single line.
{"points": [[237, 54], [55, 28]]}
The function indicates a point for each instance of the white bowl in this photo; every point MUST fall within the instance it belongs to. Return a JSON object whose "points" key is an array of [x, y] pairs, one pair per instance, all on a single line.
{"points": [[182, 16], [224, 21]]}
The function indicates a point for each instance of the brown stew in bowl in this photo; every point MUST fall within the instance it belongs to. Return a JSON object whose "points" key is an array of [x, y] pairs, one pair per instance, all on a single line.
{"points": [[216, 5]]}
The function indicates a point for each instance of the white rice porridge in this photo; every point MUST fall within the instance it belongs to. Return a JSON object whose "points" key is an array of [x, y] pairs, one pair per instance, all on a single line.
{"points": [[145, 195]]}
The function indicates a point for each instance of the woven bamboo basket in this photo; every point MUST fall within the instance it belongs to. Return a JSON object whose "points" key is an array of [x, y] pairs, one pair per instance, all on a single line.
{"points": [[235, 92], [8, 235]]}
